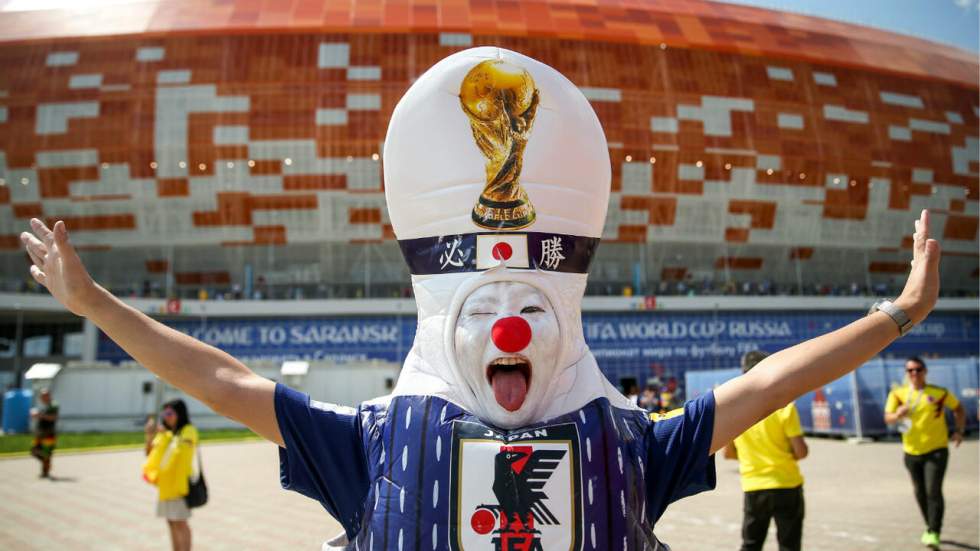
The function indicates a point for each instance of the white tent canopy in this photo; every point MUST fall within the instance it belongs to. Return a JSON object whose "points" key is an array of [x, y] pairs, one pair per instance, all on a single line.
{"points": [[42, 371]]}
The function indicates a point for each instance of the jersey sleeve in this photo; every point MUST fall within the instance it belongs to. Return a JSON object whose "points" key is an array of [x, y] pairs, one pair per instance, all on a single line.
{"points": [[892, 403], [151, 467], [951, 401], [189, 435], [678, 460], [323, 457], [791, 421]]}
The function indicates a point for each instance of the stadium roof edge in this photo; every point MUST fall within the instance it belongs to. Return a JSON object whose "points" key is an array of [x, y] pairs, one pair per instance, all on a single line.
{"points": [[35, 303], [693, 24]]}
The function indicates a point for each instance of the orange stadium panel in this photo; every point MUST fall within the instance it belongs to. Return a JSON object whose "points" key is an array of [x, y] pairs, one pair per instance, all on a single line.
{"points": [[763, 138]]}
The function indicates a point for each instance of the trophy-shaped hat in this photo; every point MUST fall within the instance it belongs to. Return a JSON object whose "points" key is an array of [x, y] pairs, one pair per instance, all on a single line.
{"points": [[492, 157], [496, 170]]}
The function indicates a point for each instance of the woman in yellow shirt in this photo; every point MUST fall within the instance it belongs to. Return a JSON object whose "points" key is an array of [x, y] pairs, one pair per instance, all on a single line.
{"points": [[169, 465]]}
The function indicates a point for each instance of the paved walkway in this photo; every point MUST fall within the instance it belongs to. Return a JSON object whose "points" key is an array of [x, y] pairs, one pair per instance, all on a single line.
{"points": [[858, 498]]}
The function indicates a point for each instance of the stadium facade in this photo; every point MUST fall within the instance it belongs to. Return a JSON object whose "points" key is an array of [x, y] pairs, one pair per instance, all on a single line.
{"points": [[209, 144]]}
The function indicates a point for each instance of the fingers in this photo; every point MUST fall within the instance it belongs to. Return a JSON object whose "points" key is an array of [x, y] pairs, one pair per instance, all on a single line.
{"points": [[35, 248], [924, 246], [39, 244], [38, 261], [42, 231], [921, 236], [933, 252], [46, 239], [60, 233], [65, 248], [919, 226], [38, 275]]}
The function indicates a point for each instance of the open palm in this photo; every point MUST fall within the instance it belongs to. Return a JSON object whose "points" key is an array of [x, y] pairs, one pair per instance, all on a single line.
{"points": [[57, 266], [922, 287]]}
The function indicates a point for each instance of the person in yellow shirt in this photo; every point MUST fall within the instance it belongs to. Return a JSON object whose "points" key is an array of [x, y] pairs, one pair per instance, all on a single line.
{"points": [[767, 454], [919, 411], [169, 465]]}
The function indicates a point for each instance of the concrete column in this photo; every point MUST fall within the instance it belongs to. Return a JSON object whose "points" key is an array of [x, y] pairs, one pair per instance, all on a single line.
{"points": [[90, 341]]}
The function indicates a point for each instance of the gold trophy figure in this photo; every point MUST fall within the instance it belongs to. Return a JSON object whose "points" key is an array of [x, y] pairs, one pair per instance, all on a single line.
{"points": [[500, 99]]}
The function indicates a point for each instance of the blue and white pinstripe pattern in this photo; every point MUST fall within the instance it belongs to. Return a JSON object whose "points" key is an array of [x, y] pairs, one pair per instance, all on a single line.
{"points": [[408, 444]]}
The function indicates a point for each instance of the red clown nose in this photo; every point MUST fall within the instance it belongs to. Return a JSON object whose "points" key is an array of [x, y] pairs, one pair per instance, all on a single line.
{"points": [[511, 334]]}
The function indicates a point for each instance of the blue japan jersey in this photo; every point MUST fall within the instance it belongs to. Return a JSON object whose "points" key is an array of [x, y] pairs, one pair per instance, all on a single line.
{"points": [[418, 473]]}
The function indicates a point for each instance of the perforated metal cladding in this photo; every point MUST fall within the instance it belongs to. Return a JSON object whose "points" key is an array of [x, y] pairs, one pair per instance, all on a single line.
{"points": [[219, 140]]}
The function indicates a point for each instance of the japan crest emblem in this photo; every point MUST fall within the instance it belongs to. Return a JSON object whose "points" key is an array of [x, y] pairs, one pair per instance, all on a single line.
{"points": [[516, 491]]}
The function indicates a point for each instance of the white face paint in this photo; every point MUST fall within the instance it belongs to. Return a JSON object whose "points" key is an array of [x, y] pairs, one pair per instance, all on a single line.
{"points": [[508, 386]]}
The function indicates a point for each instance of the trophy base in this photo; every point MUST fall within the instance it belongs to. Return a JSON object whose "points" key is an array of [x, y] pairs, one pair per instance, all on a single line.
{"points": [[509, 215]]}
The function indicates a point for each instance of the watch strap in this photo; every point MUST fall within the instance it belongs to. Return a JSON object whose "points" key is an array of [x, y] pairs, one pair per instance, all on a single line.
{"points": [[896, 314]]}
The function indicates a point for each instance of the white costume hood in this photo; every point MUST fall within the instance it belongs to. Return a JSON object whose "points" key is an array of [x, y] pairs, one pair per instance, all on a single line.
{"points": [[496, 169]]}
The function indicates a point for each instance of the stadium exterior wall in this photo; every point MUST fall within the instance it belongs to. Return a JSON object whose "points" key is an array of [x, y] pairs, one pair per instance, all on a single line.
{"points": [[215, 145]]}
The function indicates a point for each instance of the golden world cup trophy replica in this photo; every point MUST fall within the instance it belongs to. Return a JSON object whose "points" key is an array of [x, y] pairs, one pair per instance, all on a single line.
{"points": [[500, 99]]}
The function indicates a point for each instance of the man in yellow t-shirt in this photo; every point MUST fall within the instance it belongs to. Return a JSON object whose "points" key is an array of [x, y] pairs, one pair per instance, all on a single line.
{"points": [[919, 411], [767, 454]]}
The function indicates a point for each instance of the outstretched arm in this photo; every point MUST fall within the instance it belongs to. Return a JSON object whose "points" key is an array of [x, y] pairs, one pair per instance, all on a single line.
{"points": [[223, 383], [786, 375]]}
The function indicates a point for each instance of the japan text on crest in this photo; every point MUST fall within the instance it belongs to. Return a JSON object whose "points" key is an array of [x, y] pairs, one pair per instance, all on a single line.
{"points": [[517, 491]]}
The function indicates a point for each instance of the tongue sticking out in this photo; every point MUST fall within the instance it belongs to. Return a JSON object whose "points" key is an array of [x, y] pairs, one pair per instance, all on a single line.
{"points": [[509, 388]]}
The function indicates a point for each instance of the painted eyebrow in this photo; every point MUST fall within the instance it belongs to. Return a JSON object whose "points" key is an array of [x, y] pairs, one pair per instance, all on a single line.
{"points": [[485, 304], [535, 301]]}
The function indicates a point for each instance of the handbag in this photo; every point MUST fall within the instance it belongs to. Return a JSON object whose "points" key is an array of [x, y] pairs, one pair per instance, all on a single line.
{"points": [[197, 490]]}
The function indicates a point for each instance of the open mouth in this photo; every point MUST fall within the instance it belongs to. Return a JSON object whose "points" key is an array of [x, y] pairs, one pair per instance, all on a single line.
{"points": [[510, 378]]}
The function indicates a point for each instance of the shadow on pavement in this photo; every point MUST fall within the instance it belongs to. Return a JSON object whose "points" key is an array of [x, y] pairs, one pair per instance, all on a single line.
{"points": [[959, 545], [62, 479]]}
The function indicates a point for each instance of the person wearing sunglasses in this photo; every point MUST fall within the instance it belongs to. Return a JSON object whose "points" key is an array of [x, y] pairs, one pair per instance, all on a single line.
{"points": [[169, 465], [918, 410]]}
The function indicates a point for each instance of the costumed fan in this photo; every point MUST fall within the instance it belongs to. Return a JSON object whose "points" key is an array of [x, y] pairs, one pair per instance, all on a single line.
{"points": [[501, 433]]}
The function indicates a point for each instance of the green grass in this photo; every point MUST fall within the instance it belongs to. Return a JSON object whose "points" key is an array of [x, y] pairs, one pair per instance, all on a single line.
{"points": [[21, 443]]}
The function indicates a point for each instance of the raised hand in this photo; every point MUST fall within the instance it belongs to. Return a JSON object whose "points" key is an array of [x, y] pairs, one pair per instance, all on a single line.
{"points": [[206, 373], [787, 374], [922, 287], [57, 266]]}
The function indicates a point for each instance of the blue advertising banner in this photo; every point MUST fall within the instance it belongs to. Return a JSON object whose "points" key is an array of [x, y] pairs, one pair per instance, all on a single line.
{"points": [[336, 339], [831, 409], [642, 345], [634, 345]]}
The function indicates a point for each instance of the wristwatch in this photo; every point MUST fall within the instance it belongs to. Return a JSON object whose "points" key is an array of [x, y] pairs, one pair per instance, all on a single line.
{"points": [[895, 313]]}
